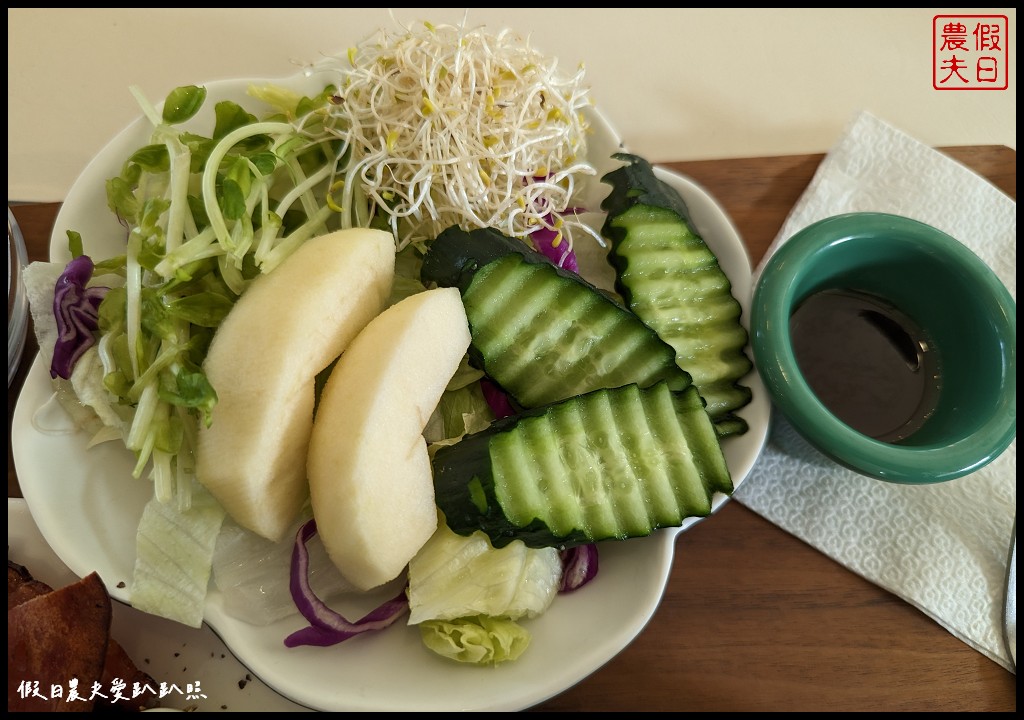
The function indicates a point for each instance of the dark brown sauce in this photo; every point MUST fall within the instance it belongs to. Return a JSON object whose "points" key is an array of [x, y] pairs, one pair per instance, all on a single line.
{"points": [[868, 363]]}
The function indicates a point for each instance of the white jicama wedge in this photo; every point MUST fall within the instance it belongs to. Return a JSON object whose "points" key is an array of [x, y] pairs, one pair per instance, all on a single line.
{"points": [[289, 325], [370, 479]]}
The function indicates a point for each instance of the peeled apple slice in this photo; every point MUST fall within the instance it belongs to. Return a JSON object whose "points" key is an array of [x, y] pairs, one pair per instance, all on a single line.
{"points": [[285, 328], [370, 479]]}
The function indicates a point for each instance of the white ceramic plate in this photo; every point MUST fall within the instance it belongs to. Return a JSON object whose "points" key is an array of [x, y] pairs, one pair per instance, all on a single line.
{"points": [[87, 507], [167, 651], [17, 302]]}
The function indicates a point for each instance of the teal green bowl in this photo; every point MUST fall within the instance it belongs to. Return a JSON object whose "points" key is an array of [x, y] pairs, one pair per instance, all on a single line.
{"points": [[939, 285]]}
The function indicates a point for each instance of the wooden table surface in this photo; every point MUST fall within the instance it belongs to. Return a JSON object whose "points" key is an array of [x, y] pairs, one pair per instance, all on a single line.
{"points": [[753, 619]]}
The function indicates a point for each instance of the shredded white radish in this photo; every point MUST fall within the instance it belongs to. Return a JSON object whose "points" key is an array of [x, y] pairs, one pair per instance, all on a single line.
{"points": [[454, 126]]}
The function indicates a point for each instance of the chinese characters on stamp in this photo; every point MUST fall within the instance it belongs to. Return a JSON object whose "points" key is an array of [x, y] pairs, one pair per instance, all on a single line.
{"points": [[970, 52]]}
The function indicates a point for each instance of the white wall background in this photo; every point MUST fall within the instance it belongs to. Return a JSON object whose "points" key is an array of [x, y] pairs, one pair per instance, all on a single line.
{"points": [[678, 84]]}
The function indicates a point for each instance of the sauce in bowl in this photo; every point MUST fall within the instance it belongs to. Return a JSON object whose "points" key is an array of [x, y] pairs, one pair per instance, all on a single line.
{"points": [[868, 362]]}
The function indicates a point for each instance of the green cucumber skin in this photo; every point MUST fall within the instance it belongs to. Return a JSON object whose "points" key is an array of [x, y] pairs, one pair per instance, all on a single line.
{"points": [[670, 278], [610, 464], [541, 332]]}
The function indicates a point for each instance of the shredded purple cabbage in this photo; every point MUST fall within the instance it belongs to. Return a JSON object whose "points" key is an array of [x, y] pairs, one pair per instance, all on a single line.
{"points": [[554, 246], [328, 627], [550, 241], [579, 566], [76, 308], [496, 399]]}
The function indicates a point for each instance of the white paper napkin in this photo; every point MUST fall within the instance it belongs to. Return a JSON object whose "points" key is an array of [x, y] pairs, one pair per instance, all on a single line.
{"points": [[943, 548]]}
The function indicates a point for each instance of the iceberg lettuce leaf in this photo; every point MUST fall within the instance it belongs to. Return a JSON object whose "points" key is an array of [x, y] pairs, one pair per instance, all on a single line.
{"points": [[453, 576], [481, 640], [174, 557]]}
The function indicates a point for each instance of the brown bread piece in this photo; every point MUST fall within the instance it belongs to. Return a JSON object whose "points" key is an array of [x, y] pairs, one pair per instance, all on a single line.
{"points": [[21, 588], [55, 638]]}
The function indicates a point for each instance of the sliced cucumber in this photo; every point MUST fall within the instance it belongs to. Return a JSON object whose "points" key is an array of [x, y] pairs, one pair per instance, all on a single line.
{"points": [[543, 333], [671, 279], [609, 464]]}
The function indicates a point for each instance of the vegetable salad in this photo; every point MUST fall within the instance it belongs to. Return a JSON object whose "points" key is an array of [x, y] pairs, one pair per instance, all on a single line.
{"points": [[422, 129]]}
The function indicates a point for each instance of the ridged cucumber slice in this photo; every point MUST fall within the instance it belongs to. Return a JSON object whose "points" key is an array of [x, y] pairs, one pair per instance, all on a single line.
{"points": [[671, 279], [543, 333], [609, 464]]}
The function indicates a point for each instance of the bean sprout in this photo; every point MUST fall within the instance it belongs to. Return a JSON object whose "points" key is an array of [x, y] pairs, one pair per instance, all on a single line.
{"points": [[453, 126]]}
